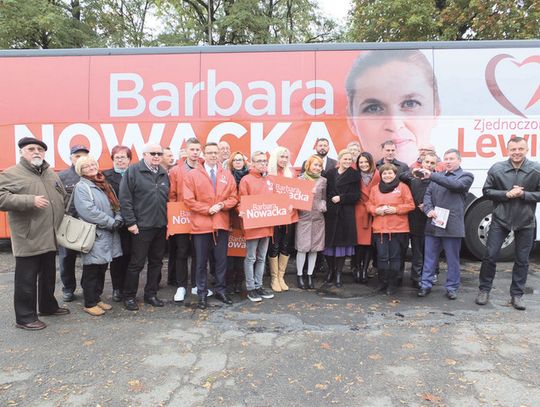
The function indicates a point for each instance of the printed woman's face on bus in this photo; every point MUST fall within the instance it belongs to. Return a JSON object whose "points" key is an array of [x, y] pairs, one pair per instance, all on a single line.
{"points": [[394, 102]]}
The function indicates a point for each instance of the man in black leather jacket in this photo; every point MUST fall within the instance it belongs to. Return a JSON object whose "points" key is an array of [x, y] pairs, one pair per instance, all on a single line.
{"points": [[514, 187]]}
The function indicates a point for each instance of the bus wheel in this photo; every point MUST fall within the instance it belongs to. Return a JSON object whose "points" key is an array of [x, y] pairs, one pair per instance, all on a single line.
{"points": [[477, 222]]}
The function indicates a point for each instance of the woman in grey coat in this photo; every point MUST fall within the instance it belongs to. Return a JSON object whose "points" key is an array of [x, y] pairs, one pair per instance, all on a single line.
{"points": [[97, 203], [310, 226]]}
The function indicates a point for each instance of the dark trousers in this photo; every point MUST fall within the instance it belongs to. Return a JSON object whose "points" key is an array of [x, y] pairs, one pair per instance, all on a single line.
{"points": [[171, 264], [183, 246], [120, 264], [217, 244], [432, 250], [148, 244], [34, 281], [389, 253], [523, 240], [93, 280], [235, 270], [67, 258], [417, 262], [281, 242]]}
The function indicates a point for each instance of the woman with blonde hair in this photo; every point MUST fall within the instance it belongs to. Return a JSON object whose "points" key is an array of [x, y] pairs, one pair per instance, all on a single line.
{"points": [[279, 251], [97, 203], [342, 193], [310, 226]]}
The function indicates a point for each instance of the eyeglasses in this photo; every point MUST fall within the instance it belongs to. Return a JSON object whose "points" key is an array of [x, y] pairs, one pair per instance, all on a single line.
{"points": [[261, 161], [238, 160], [120, 157], [155, 153]]}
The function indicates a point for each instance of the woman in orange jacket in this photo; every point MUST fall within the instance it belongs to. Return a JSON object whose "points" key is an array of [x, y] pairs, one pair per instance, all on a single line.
{"points": [[389, 203]]}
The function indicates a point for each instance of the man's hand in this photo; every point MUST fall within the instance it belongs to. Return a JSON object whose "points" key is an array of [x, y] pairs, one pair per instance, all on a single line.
{"points": [[432, 214], [515, 192], [336, 199], [40, 202], [134, 229], [215, 208]]}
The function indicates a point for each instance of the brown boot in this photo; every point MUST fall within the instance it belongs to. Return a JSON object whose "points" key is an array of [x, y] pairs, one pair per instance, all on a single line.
{"points": [[95, 311], [283, 261], [274, 270]]}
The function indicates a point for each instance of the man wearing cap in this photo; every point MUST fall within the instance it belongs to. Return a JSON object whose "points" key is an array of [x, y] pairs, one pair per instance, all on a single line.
{"points": [[67, 257], [33, 196]]}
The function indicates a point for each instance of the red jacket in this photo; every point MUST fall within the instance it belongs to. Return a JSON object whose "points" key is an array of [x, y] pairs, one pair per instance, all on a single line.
{"points": [[361, 213], [255, 184], [176, 178], [199, 197], [401, 198]]}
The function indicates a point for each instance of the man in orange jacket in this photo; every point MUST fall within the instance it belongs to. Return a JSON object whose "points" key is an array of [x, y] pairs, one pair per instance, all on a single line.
{"points": [[210, 192]]}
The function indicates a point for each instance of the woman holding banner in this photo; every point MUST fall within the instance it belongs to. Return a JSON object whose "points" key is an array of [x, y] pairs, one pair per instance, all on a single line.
{"points": [[310, 226], [279, 250], [238, 166], [342, 192]]}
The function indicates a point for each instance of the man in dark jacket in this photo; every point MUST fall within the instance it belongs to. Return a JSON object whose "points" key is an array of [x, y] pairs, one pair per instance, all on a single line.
{"points": [[389, 157], [67, 257], [514, 187], [447, 192], [33, 196], [144, 192]]}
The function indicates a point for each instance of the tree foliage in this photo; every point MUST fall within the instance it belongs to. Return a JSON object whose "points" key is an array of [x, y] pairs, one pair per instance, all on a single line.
{"points": [[450, 20]]}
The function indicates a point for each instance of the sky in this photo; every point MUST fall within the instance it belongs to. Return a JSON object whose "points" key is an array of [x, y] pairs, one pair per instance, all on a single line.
{"points": [[335, 8]]}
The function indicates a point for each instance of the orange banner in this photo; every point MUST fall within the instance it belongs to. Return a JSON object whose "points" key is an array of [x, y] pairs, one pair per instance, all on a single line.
{"points": [[298, 190], [264, 210], [237, 244], [178, 218]]}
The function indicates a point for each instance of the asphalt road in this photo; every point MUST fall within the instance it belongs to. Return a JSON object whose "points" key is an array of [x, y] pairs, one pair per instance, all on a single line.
{"points": [[345, 347]]}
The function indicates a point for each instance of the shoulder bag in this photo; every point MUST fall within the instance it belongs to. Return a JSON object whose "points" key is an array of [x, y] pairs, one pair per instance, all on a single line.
{"points": [[76, 234]]}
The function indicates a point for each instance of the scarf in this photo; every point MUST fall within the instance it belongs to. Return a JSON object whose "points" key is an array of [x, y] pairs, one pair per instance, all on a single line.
{"points": [[239, 174], [120, 171], [310, 176], [366, 177], [388, 187], [101, 183]]}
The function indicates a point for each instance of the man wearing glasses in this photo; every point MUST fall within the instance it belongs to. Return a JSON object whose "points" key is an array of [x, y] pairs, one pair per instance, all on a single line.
{"points": [[33, 196], [144, 192], [210, 193]]}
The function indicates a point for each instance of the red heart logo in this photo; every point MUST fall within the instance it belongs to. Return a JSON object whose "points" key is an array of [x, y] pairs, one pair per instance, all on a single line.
{"points": [[495, 89]]}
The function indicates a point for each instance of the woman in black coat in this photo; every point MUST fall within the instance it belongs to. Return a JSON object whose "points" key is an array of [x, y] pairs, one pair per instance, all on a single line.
{"points": [[343, 190]]}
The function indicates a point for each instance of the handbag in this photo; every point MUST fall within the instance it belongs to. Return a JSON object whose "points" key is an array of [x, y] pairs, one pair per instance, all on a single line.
{"points": [[76, 234]]}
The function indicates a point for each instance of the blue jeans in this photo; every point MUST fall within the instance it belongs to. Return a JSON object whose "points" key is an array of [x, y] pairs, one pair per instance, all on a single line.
{"points": [[432, 250], [254, 262], [523, 240]]}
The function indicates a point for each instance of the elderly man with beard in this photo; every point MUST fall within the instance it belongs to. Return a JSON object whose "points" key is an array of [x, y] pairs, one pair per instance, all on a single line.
{"points": [[33, 196]]}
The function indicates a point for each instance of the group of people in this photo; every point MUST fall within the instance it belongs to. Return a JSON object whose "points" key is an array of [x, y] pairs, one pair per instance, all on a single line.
{"points": [[363, 209]]}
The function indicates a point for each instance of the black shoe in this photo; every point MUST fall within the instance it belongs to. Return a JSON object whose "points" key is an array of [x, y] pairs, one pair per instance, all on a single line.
{"points": [[238, 288], [264, 294], [423, 292], [356, 275], [415, 284], [339, 282], [310, 284], [451, 295], [117, 295], [59, 311], [153, 301], [224, 298], [32, 326], [131, 304], [68, 296], [329, 277], [300, 282], [363, 276], [202, 304]]}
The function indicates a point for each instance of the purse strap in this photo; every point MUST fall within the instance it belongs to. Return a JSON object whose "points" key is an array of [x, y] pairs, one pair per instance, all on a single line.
{"points": [[73, 193]]}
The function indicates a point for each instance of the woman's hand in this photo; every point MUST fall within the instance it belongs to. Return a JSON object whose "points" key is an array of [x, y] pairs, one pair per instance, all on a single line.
{"points": [[380, 210], [390, 210], [336, 199]]}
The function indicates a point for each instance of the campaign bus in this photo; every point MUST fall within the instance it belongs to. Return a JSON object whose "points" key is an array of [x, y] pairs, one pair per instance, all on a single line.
{"points": [[473, 96]]}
